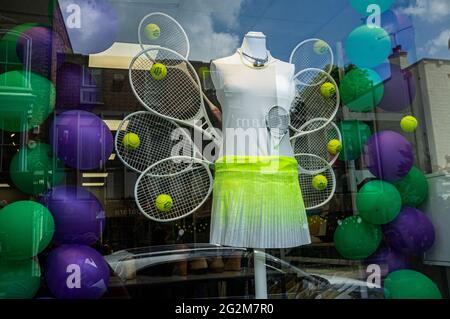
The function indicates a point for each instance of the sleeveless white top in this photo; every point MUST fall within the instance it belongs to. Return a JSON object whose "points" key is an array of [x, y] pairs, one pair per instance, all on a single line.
{"points": [[246, 94]]}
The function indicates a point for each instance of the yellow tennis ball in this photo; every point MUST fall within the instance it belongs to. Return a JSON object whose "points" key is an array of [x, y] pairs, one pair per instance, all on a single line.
{"points": [[203, 73], [409, 124], [328, 89], [334, 147], [320, 182], [164, 203], [158, 71], [152, 31], [131, 141], [320, 47]]}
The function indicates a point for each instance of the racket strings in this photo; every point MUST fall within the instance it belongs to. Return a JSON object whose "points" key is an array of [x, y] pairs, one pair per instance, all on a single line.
{"points": [[171, 34], [176, 96], [309, 167], [278, 121], [310, 104], [312, 53], [155, 137], [316, 143], [188, 184]]}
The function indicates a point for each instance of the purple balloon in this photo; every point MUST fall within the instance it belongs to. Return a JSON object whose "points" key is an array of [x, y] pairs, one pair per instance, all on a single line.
{"points": [[410, 233], [76, 272], [399, 90], [389, 260], [81, 139], [71, 81], [388, 155], [42, 43], [400, 28], [79, 217]]}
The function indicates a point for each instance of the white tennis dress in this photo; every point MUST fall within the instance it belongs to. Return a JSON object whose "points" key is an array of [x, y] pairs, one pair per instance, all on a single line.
{"points": [[257, 199]]}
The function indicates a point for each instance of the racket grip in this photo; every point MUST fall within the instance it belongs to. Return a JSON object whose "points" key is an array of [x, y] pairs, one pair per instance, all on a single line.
{"points": [[217, 114], [214, 109]]}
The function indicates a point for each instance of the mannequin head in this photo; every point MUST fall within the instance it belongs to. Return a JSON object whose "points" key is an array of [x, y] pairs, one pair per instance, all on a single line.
{"points": [[254, 45]]}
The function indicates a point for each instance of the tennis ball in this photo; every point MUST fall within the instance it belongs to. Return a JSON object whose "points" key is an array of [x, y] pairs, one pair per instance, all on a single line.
{"points": [[408, 124], [152, 31], [131, 141], [203, 73], [164, 203], [320, 47], [328, 89], [158, 71], [334, 147], [320, 182]]}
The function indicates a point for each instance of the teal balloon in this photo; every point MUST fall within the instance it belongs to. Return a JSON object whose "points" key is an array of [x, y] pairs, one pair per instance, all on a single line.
{"points": [[410, 284], [19, 279], [361, 89], [413, 188], [24, 111], [354, 135], [355, 239], [378, 202], [367, 46], [26, 228], [362, 5]]}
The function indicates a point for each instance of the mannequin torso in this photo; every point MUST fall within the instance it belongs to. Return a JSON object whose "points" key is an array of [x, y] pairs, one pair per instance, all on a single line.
{"points": [[248, 84]]}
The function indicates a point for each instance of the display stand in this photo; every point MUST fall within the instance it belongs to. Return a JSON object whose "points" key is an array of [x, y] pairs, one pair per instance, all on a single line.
{"points": [[259, 262]]}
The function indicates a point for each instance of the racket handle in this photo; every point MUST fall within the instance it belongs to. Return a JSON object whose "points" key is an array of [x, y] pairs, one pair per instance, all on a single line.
{"points": [[214, 109]]}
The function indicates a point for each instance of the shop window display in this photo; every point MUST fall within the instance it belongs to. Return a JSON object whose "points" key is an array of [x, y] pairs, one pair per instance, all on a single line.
{"points": [[200, 151]]}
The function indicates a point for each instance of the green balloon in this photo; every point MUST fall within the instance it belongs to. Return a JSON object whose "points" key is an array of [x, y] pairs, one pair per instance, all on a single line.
{"points": [[354, 135], [413, 188], [355, 239], [34, 170], [8, 44], [410, 284], [361, 90], [378, 202], [26, 228], [19, 279], [28, 100]]}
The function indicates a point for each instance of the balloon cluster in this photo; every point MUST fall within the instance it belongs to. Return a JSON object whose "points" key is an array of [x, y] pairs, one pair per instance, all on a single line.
{"points": [[70, 217], [389, 228]]}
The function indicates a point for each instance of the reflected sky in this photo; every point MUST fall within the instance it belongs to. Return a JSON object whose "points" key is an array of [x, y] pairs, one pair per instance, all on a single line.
{"points": [[216, 27]]}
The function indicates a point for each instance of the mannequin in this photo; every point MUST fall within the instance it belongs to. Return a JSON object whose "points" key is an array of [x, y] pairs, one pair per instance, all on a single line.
{"points": [[257, 199], [246, 92]]}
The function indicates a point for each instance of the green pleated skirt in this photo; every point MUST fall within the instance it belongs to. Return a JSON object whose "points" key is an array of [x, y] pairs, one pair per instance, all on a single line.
{"points": [[257, 203]]}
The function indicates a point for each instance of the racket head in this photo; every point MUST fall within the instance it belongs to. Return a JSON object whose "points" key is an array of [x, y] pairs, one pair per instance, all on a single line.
{"points": [[171, 34], [156, 140], [310, 104], [277, 120], [312, 53], [309, 166], [177, 96], [188, 181], [316, 143]]}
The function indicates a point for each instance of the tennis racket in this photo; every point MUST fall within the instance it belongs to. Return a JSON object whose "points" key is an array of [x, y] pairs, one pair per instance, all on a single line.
{"points": [[310, 103], [178, 96], [309, 166], [158, 29], [277, 123], [312, 53], [188, 181], [316, 143], [161, 30], [159, 138]]}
